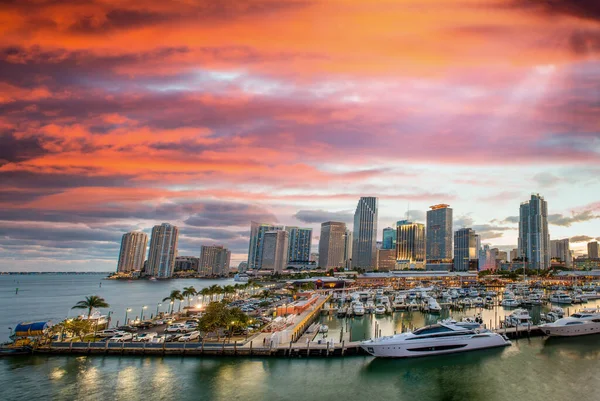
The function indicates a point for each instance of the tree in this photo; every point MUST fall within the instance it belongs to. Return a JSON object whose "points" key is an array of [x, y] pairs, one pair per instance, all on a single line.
{"points": [[218, 316], [215, 290], [205, 292], [91, 302], [188, 292], [228, 290], [174, 296]]}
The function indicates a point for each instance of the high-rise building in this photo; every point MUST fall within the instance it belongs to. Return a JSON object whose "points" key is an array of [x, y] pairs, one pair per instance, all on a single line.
{"points": [[560, 249], [592, 250], [348, 250], [410, 245], [186, 263], [275, 249], [487, 258], [386, 260], [389, 238], [534, 239], [255, 249], [364, 235], [466, 250], [439, 234], [332, 245], [299, 245], [514, 254], [163, 250], [214, 260], [133, 252]]}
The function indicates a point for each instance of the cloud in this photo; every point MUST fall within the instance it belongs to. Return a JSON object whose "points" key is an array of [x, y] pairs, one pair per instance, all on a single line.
{"points": [[581, 238], [223, 214], [463, 222], [546, 179], [490, 235], [321, 216], [511, 219], [576, 217], [584, 9]]}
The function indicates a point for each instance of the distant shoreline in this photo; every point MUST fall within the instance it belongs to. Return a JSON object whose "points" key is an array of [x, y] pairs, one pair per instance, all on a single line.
{"points": [[39, 273]]}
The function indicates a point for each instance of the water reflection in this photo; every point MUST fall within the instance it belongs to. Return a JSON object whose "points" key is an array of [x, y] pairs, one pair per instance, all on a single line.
{"points": [[583, 347]]}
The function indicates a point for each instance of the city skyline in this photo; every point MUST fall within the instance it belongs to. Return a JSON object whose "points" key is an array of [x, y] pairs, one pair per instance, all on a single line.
{"points": [[115, 119]]}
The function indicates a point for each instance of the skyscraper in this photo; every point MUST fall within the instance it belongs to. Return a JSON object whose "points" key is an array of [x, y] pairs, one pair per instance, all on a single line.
{"points": [[255, 249], [275, 249], [163, 250], [592, 250], [348, 250], [487, 259], [299, 245], [410, 245], [214, 260], [332, 245], [514, 254], [466, 250], [365, 234], [534, 239], [133, 252], [560, 249], [389, 238], [439, 234]]}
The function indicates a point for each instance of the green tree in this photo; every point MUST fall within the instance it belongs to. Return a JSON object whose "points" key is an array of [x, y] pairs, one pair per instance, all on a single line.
{"points": [[91, 302], [188, 292], [228, 290], [205, 292], [174, 296]]}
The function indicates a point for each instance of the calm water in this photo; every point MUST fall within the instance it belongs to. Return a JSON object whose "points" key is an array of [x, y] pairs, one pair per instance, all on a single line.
{"points": [[532, 369], [51, 296]]}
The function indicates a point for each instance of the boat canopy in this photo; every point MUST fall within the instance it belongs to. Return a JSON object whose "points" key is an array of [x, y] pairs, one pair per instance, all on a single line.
{"points": [[28, 329]]}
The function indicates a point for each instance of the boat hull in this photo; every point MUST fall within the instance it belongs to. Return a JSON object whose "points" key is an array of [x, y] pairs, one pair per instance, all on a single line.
{"points": [[572, 330], [421, 348]]}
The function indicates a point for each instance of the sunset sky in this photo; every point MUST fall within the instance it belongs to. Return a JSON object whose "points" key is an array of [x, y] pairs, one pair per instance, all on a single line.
{"points": [[118, 115]]}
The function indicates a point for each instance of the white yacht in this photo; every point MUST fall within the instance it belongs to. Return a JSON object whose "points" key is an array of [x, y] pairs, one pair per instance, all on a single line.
{"points": [[380, 310], [433, 306], [436, 339], [358, 309], [510, 302], [465, 322], [561, 298], [586, 321], [519, 317]]}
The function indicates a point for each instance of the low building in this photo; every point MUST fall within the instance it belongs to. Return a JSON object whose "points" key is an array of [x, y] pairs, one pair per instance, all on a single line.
{"points": [[386, 259], [186, 263]]}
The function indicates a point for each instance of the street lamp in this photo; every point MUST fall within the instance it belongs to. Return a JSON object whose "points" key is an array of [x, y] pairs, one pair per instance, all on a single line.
{"points": [[172, 302], [142, 314], [157, 306], [126, 312]]}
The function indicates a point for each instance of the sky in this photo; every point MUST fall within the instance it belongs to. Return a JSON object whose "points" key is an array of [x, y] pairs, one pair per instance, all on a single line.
{"points": [[116, 115]]}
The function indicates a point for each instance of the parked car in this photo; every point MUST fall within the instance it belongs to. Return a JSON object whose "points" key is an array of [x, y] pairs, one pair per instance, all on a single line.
{"points": [[159, 322], [129, 329], [144, 337], [192, 321], [108, 333], [145, 324], [191, 336], [172, 337], [121, 337], [177, 328], [158, 339]]}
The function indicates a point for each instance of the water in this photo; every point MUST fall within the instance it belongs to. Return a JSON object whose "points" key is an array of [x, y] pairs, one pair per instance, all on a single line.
{"points": [[51, 296], [532, 370], [535, 369]]}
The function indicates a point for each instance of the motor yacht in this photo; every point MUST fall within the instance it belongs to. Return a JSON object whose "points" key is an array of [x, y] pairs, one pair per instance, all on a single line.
{"points": [[358, 309], [519, 317], [561, 298], [433, 306], [437, 339], [586, 321], [510, 303], [465, 322], [380, 310]]}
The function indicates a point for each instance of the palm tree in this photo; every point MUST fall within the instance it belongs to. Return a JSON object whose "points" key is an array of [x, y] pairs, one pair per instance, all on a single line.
{"points": [[188, 292], [205, 292], [228, 290], [174, 296], [215, 290], [91, 302]]}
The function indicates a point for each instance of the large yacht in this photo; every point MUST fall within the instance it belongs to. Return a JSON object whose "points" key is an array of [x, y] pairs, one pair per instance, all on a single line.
{"points": [[442, 338], [561, 298], [586, 321]]}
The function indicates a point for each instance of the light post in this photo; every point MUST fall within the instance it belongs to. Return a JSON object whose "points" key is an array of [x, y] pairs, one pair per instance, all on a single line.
{"points": [[142, 314], [172, 302], [126, 312], [157, 306], [108, 319]]}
